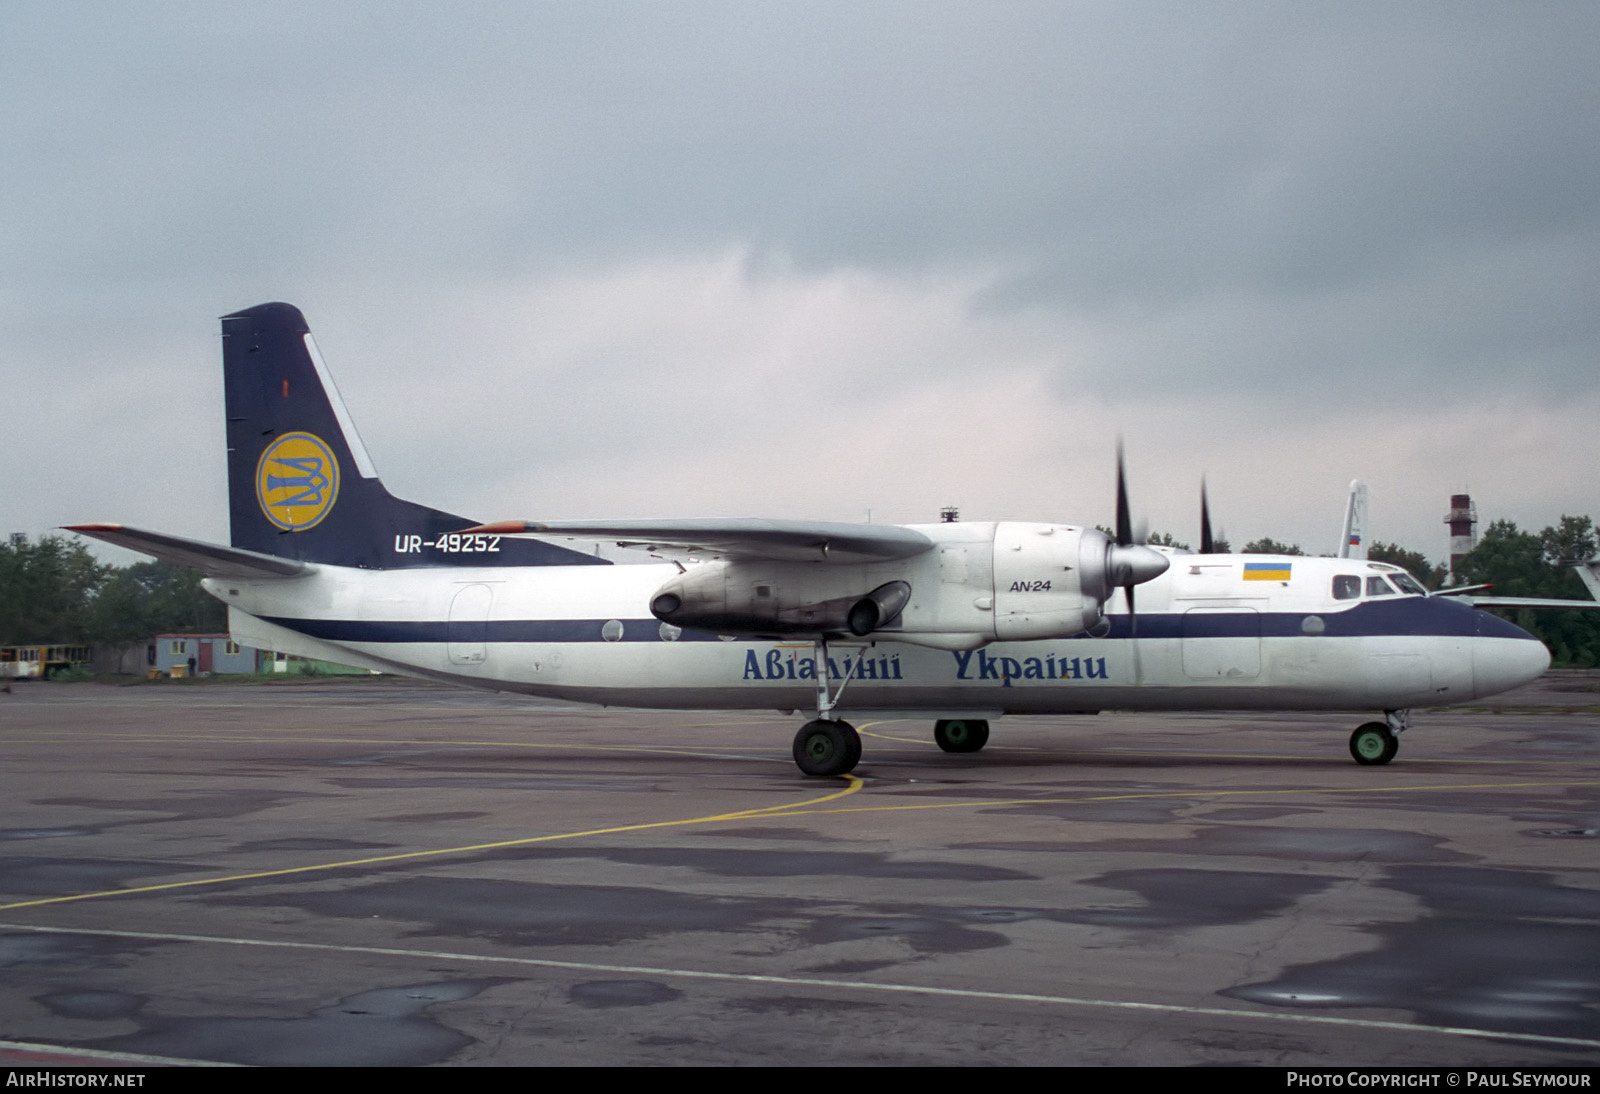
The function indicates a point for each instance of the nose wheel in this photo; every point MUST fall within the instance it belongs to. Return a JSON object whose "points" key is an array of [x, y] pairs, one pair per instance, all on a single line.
{"points": [[961, 734]]}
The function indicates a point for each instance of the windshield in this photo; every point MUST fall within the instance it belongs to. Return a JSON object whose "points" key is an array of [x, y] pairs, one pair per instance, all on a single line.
{"points": [[1408, 584]]}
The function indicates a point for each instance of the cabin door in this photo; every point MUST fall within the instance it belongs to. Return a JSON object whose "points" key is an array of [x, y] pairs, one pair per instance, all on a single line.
{"points": [[467, 633]]}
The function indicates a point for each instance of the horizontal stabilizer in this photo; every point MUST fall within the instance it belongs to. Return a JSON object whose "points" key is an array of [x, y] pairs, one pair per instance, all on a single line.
{"points": [[739, 538], [211, 559]]}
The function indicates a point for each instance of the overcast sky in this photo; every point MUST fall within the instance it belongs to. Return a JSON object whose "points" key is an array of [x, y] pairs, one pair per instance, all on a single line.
{"points": [[795, 259]]}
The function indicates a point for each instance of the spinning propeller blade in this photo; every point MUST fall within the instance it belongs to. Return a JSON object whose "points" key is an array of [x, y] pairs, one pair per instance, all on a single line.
{"points": [[1130, 562]]}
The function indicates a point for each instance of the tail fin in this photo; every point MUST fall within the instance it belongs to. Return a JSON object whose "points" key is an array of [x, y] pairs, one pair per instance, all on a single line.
{"points": [[300, 482], [1353, 540]]}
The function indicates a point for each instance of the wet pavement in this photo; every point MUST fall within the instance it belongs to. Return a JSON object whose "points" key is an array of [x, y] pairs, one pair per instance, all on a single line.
{"points": [[384, 872]]}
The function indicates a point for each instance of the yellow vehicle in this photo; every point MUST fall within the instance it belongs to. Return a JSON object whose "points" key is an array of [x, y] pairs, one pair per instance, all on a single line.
{"points": [[31, 662]]}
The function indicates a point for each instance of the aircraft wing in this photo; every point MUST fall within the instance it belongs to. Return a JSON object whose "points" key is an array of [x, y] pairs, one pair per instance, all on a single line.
{"points": [[1460, 590], [211, 559], [1526, 602], [738, 538]]}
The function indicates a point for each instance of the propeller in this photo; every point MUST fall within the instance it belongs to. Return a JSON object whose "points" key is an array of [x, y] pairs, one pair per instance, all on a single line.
{"points": [[1128, 562], [1208, 545], [1124, 521], [1124, 534]]}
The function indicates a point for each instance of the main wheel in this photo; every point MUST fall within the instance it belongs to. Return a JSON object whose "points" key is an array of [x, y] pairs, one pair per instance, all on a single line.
{"points": [[827, 748], [961, 735], [1374, 743]]}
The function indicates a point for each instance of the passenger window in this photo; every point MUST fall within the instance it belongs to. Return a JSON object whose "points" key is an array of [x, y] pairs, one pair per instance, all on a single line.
{"points": [[1376, 586], [1346, 587]]}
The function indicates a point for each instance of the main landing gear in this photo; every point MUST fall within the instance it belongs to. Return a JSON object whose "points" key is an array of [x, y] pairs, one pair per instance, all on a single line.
{"points": [[826, 746], [961, 734], [1378, 742]]}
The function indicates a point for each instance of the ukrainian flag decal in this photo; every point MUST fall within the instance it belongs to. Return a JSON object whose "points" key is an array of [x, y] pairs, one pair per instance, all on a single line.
{"points": [[1267, 571], [297, 481]]}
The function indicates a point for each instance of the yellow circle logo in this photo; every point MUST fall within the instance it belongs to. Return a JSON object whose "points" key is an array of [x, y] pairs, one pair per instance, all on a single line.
{"points": [[297, 481]]}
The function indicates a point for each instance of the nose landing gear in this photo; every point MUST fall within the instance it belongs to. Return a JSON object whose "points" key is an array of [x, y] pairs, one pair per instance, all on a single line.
{"points": [[961, 735], [1378, 742]]}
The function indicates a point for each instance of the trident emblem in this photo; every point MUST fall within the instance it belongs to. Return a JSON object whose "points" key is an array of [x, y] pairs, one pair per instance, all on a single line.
{"points": [[309, 481], [297, 481]]}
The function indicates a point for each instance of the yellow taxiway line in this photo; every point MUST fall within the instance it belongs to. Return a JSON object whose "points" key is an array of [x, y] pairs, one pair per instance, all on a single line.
{"points": [[853, 784]]}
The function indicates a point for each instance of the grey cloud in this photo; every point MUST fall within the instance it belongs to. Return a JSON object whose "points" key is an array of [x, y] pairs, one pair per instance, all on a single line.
{"points": [[1152, 201]]}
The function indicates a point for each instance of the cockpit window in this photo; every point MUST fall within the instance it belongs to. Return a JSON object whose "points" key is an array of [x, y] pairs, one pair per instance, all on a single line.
{"points": [[1408, 584], [1376, 586], [1346, 587]]}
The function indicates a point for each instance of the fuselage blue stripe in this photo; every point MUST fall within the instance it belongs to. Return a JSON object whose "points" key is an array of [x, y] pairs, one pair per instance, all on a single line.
{"points": [[1414, 616], [497, 630]]}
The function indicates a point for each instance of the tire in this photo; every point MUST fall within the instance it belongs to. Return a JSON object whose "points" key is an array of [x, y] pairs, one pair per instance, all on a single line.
{"points": [[1373, 744], [827, 748], [961, 735]]}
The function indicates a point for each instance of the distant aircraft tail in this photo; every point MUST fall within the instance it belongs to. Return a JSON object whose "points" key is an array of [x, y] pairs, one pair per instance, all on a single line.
{"points": [[1589, 572], [300, 482], [1353, 540]]}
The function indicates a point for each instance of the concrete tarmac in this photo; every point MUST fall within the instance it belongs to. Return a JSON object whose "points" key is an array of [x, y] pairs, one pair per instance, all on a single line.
{"points": [[386, 872]]}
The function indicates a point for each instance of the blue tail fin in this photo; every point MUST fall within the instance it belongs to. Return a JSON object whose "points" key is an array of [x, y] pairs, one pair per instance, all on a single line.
{"points": [[300, 482]]}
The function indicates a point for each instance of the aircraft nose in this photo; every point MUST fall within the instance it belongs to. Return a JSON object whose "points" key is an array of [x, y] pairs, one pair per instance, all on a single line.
{"points": [[1505, 656]]}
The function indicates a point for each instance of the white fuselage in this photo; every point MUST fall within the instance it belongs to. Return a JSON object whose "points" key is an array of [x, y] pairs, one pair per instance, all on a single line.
{"points": [[1206, 637]]}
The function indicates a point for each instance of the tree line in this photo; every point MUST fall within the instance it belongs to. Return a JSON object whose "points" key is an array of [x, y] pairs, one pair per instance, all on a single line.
{"points": [[1519, 563], [54, 591]]}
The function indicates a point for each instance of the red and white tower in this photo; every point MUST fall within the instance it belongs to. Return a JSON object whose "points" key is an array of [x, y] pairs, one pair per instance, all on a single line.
{"points": [[1463, 522]]}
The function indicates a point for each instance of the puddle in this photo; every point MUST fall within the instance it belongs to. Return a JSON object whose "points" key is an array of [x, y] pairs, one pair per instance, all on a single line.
{"points": [[622, 993], [1498, 949], [768, 862], [533, 914], [386, 1027], [1196, 898], [92, 1004]]}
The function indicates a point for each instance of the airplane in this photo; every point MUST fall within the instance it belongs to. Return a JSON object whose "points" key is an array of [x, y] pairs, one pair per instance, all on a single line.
{"points": [[961, 621], [1353, 544]]}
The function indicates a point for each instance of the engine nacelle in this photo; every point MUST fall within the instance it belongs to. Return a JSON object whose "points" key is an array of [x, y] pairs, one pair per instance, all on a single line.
{"points": [[1047, 580], [776, 599], [977, 583], [1053, 580]]}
